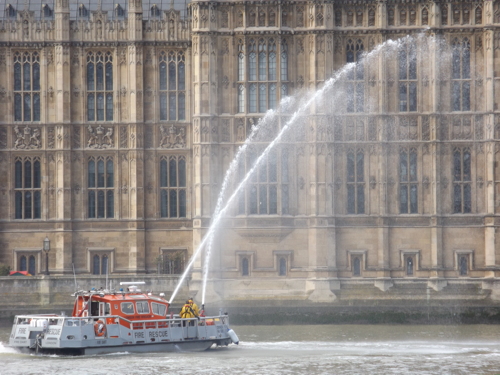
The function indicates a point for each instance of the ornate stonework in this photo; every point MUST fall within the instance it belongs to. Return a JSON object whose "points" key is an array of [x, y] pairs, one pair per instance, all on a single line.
{"points": [[27, 138], [100, 137]]}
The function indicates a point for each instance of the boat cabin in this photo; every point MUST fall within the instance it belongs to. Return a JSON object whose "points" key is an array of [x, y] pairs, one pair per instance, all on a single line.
{"points": [[130, 305]]}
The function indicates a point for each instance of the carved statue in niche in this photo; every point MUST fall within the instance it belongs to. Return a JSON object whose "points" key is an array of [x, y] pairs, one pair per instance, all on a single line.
{"points": [[98, 139], [27, 139], [172, 137]]}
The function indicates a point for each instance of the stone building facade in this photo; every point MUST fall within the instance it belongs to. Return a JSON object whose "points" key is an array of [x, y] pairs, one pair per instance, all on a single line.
{"points": [[118, 120]]}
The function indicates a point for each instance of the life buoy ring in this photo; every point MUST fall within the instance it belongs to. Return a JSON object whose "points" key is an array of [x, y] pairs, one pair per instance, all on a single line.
{"points": [[99, 328]]}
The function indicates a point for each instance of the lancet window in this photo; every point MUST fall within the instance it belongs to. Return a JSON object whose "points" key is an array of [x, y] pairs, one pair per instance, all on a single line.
{"points": [[355, 182], [355, 85], [356, 266], [26, 86], [99, 86], [172, 86], [173, 186], [460, 75], [462, 179], [259, 74], [267, 190], [408, 182], [27, 188], [100, 172], [407, 57], [463, 265]]}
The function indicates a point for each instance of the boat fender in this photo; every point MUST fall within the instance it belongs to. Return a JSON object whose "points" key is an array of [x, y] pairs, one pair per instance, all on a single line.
{"points": [[99, 328], [233, 336]]}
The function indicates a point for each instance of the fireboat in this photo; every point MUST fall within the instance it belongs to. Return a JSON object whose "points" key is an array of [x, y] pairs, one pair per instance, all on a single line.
{"points": [[108, 321]]}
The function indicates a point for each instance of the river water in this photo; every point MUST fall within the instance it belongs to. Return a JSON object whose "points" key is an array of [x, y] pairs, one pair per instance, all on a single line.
{"points": [[296, 349]]}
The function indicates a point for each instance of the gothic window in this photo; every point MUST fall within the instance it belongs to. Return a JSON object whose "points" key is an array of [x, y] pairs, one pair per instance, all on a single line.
{"points": [[359, 17], [100, 264], [410, 266], [99, 86], [224, 18], [262, 18], [462, 180], [155, 11], [252, 17], [264, 73], [355, 182], [245, 271], [172, 86], [444, 14], [402, 16], [172, 262], [413, 16], [173, 186], [119, 11], [46, 11], [479, 15], [267, 192], [300, 16], [390, 15], [463, 265], [10, 11], [460, 75], [355, 85], [356, 267], [408, 182], [82, 11], [338, 17], [371, 17], [272, 18], [407, 78], [100, 172], [26, 86], [27, 188], [282, 267], [425, 17]]}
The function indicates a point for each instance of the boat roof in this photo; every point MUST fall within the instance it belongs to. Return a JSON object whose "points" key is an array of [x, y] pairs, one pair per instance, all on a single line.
{"points": [[112, 295]]}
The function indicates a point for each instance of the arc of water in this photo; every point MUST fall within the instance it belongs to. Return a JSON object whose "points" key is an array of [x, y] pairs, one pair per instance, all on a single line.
{"points": [[216, 219], [269, 116]]}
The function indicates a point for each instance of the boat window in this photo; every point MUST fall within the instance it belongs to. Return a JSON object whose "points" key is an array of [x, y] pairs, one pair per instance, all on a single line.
{"points": [[127, 308], [107, 309], [142, 307], [159, 309]]}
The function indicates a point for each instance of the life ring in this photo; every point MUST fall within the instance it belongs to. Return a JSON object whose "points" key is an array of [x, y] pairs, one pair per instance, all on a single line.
{"points": [[99, 328]]}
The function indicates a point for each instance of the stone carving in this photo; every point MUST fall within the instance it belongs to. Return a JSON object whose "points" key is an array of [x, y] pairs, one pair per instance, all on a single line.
{"points": [[172, 137], [27, 139], [98, 138]]}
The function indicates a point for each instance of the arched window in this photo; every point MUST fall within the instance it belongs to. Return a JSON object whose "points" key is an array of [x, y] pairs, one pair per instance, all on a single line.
{"points": [[408, 182], [28, 203], [173, 186], [355, 183], [271, 181], [282, 271], [462, 179], [26, 86], [355, 86], [461, 76], [100, 182], [407, 78], [356, 267], [409, 266], [463, 266], [23, 264], [244, 267], [99, 86], [96, 270], [172, 86]]}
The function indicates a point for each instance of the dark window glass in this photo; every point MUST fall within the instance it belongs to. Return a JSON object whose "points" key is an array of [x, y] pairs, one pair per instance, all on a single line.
{"points": [[23, 264], [163, 76], [100, 173], [182, 203], [90, 77], [164, 203], [282, 271], [409, 266], [244, 267], [27, 174], [181, 75], [463, 266], [109, 77], [27, 107], [91, 174], [109, 173], [172, 173], [27, 76], [110, 204], [173, 203], [356, 267], [32, 268], [17, 76], [99, 72], [90, 107], [97, 265], [19, 175], [104, 268], [100, 204], [19, 205], [27, 204], [91, 204], [172, 84]]}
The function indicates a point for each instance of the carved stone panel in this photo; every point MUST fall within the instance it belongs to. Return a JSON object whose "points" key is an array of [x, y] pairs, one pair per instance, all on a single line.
{"points": [[100, 138], [27, 138], [173, 137]]}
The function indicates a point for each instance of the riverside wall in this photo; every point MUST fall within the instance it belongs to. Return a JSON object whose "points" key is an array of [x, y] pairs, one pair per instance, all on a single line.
{"points": [[417, 301]]}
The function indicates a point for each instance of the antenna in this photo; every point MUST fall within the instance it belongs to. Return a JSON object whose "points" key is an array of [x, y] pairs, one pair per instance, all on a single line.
{"points": [[74, 276]]}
